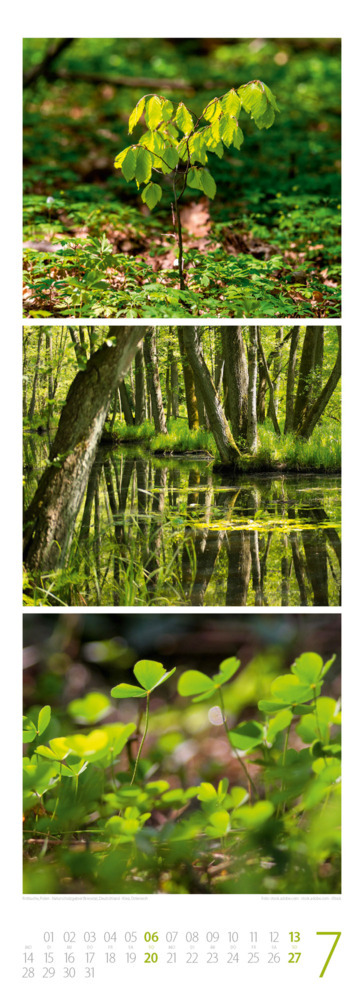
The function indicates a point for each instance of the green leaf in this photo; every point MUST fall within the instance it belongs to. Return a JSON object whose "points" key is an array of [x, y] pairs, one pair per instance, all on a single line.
{"points": [[207, 792], [253, 817], [212, 111], [194, 178], [247, 735], [58, 749], [126, 160], [86, 747], [167, 109], [308, 668], [93, 707], [290, 690], [170, 156], [151, 195], [197, 148], [153, 112], [149, 673], [219, 823], [143, 170], [253, 98], [44, 718], [208, 184], [265, 120], [231, 103], [127, 691], [328, 665], [271, 97], [228, 667], [29, 730], [238, 138], [281, 721], [184, 119], [136, 114], [117, 736], [228, 129], [194, 682]]}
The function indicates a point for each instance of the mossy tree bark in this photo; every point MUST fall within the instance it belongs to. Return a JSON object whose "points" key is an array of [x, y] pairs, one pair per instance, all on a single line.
{"points": [[50, 519], [228, 450], [140, 396], [291, 373]]}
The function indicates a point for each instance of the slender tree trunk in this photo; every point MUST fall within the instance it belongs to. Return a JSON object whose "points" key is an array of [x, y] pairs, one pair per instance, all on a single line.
{"points": [[50, 518], [125, 402], [35, 379], [261, 393], [228, 451], [190, 391], [252, 432], [151, 365], [272, 408], [236, 372], [318, 407], [174, 382], [291, 372], [140, 397]]}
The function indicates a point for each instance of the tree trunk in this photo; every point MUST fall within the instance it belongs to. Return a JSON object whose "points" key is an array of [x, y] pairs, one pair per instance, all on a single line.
{"points": [[50, 518], [236, 373], [190, 391], [306, 378], [318, 407], [252, 432], [35, 379], [174, 382], [125, 402], [151, 365], [272, 408], [140, 397], [291, 371], [228, 451]]}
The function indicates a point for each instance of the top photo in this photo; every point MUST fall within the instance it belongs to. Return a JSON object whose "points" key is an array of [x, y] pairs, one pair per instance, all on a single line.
{"points": [[182, 178]]}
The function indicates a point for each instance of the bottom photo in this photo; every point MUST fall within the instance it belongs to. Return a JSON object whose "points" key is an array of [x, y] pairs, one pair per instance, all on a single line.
{"points": [[182, 753]]}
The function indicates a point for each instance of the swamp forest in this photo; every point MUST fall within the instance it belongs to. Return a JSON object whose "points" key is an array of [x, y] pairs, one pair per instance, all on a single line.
{"points": [[182, 465], [182, 177]]}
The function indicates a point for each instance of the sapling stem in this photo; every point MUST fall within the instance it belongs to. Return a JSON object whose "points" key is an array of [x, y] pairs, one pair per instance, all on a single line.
{"points": [[241, 762], [142, 739]]}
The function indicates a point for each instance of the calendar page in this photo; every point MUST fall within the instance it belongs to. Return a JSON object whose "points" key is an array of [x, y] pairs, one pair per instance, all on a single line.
{"points": [[186, 353]]}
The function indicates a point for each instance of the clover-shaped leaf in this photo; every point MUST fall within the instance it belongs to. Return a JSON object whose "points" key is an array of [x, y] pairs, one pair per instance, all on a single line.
{"points": [[194, 682], [150, 675]]}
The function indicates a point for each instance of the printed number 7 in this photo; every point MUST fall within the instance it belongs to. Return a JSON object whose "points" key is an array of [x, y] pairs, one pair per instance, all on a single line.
{"points": [[336, 935]]}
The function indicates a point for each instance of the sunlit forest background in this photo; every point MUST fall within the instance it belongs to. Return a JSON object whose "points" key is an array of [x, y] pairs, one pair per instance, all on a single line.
{"points": [[269, 241]]}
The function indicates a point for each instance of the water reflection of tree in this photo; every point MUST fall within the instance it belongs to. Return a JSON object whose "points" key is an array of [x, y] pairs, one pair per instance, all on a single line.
{"points": [[148, 535]]}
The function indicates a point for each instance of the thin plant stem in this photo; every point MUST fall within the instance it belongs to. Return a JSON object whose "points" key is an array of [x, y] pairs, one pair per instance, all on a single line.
{"points": [[179, 237], [241, 762], [142, 739]]}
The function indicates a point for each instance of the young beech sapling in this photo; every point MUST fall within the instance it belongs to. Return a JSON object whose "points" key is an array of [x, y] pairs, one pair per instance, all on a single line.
{"points": [[177, 142]]}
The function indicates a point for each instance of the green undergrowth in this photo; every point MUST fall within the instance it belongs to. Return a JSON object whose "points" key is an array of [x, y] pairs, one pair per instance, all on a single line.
{"points": [[321, 453], [109, 805]]}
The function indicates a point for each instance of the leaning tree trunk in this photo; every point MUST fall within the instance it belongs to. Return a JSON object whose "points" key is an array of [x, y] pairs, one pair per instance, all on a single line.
{"points": [[151, 365], [228, 451], [252, 432], [318, 407], [50, 519], [291, 372], [236, 373]]}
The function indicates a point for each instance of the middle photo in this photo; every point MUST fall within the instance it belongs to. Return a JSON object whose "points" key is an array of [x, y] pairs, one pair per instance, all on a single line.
{"points": [[182, 465]]}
